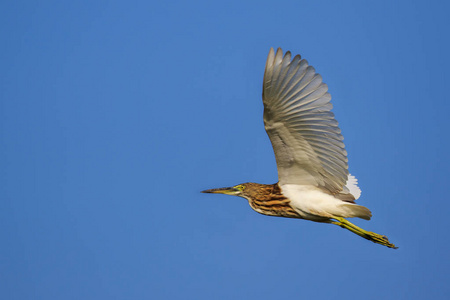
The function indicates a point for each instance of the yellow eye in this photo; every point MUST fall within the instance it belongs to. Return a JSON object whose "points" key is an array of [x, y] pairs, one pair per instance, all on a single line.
{"points": [[240, 187]]}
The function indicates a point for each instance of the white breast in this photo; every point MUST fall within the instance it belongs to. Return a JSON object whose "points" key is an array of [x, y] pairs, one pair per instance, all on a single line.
{"points": [[313, 204]]}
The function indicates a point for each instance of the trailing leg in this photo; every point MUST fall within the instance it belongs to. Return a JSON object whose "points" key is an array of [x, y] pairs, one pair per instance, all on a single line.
{"points": [[371, 236]]}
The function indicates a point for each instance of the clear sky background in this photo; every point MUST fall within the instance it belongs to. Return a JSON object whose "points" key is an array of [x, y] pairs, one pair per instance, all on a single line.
{"points": [[116, 114]]}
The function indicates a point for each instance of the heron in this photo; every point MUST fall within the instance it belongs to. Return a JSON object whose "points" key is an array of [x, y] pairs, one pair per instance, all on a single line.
{"points": [[313, 179]]}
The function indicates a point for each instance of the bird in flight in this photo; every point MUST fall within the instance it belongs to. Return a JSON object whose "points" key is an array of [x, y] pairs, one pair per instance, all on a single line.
{"points": [[313, 179]]}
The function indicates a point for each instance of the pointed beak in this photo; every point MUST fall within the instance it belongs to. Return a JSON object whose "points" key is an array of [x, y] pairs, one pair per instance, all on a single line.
{"points": [[226, 191]]}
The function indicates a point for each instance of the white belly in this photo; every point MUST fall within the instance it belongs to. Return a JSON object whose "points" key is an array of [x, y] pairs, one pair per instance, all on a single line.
{"points": [[311, 203]]}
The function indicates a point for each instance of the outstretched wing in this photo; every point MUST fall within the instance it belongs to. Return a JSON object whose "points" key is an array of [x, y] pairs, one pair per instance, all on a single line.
{"points": [[305, 136]]}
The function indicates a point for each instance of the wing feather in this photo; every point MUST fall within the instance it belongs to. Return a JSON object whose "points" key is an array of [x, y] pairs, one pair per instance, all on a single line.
{"points": [[304, 133]]}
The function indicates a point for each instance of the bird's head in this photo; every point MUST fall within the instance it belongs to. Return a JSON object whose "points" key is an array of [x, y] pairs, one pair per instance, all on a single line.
{"points": [[245, 190]]}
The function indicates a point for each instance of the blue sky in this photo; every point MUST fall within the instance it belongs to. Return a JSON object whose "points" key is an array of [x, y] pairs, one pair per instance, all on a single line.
{"points": [[115, 115]]}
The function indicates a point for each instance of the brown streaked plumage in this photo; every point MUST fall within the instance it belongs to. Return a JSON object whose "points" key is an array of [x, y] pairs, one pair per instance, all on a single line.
{"points": [[267, 199], [313, 179]]}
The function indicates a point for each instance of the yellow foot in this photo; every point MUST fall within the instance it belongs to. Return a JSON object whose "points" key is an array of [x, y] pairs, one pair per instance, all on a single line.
{"points": [[371, 236]]}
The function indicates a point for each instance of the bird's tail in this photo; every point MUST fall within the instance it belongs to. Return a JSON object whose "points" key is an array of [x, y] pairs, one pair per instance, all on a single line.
{"points": [[351, 210], [371, 236]]}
